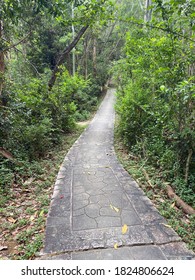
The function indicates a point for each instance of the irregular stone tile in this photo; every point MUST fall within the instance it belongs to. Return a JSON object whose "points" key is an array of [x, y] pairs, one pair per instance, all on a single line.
{"points": [[101, 199], [110, 211], [83, 222], [94, 191], [130, 218], [105, 221], [78, 190], [78, 204], [81, 196], [79, 212], [92, 210]]}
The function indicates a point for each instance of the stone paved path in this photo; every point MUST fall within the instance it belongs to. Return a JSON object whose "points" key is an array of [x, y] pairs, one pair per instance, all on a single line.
{"points": [[94, 197]]}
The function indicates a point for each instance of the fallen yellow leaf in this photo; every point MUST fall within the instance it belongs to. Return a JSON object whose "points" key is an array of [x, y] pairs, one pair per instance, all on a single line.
{"points": [[116, 246], [124, 229], [111, 206], [114, 208]]}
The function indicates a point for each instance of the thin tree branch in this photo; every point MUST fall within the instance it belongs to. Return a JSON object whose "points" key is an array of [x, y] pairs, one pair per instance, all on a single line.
{"points": [[16, 44], [167, 30]]}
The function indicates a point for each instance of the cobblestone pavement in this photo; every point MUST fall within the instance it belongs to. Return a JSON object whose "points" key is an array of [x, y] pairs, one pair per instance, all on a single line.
{"points": [[94, 197]]}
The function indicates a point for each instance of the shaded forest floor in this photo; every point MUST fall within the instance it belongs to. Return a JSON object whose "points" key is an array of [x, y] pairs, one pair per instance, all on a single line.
{"points": [[25, 206]]}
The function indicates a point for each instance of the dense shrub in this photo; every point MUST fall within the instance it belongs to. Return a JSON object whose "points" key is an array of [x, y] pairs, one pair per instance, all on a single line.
{"points": [[34, 117], [155, 101]]}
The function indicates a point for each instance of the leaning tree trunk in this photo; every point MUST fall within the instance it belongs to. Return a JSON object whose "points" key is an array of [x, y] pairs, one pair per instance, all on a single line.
{"points": [[64, 56], [2, 60]]}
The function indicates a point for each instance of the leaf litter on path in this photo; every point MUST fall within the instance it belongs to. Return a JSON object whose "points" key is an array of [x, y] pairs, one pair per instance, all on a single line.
{"points": [[114, 208], [124, 229]]}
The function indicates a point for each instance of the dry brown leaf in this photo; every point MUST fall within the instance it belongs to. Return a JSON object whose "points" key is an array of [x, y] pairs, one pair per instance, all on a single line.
{"points": [[124, 229], [6, 154], [11, 220]]}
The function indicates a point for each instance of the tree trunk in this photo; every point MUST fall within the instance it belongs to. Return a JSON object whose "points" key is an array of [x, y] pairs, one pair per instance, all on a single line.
{"points": [[86, 62], [73, 51], [86, 46], [2, 60], [179, 202], [148, 13], [95, 57], [64, 56]]}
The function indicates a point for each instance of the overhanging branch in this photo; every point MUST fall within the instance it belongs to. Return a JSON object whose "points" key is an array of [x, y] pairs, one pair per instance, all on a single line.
{"points": [[64, 55]]}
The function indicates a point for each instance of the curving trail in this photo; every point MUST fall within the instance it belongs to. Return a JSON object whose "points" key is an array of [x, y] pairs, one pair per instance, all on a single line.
{"points": [[94, 197]]}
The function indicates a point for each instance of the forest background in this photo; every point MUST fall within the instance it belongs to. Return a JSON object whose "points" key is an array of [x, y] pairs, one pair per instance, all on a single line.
{"points": [[55, 59]]}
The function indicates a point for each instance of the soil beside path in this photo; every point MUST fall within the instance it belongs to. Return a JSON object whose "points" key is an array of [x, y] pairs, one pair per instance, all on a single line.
{"points": [[98, 211]]}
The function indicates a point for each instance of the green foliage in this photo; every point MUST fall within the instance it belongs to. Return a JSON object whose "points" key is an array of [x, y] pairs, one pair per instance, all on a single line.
{"points": [[37, 117], [155, 100], [32, 119], [183, 226]]}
